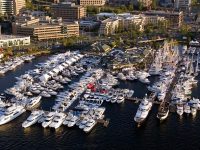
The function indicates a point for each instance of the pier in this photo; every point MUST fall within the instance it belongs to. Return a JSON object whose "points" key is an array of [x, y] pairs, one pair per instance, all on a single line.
{"points": [[152, 98]]}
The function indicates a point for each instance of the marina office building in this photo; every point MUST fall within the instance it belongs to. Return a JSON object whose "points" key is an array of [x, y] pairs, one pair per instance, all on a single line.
{"points": [[10, 41]]}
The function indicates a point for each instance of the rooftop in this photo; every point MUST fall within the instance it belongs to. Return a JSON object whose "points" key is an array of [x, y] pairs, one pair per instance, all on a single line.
{"points": [[6, 37]]}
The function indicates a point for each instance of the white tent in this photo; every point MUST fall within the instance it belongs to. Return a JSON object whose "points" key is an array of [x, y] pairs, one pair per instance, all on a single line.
{"points": [[45, 78]]}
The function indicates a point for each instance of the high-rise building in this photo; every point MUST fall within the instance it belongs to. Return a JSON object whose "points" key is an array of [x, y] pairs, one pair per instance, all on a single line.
{"points": [[92, 2], [18, 5], [6, 7], [68, 11]]}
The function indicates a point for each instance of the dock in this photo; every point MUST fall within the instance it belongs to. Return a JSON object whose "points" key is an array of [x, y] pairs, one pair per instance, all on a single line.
{"points": [[152, 98], [104, 122]]}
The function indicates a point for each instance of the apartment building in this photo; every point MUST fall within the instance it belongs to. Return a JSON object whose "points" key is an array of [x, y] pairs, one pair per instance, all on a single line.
{"points": [[108, 26], [175, 18]]}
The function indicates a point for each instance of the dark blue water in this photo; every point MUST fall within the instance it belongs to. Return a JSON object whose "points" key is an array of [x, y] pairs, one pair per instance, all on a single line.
{"points": [[122, 132]]}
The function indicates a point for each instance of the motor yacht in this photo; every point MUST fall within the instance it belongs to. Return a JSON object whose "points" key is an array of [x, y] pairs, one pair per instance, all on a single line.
{"points": [[11, 113], [73, 121], [89, 125], [57, 120], [179, 109], [33, 118], [33, 102], [68, 118], [48, 119], [187, 108], [143, 110]]}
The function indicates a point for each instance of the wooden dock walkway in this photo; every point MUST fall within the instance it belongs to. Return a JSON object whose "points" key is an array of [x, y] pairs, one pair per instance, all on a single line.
{"points": [[152, 98]]}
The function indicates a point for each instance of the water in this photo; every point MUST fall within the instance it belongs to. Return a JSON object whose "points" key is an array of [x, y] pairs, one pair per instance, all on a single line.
{"points": [[122, 132]]}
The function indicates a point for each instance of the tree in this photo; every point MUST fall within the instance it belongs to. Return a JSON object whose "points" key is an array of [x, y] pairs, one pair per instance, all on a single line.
{"points": [[29, 5], [154, 4], [130, 7], [140, 6]]}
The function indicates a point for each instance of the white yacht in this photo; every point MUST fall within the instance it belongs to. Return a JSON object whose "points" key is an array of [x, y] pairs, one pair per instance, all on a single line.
{"points": [[143, 110], [187, 109], [83, 123], [33, 118], [179, 109], [33, 102], [120, 99], [48, 119], [11, 113], [73, 121], [68, 118], [89, 125], [57, 120]]}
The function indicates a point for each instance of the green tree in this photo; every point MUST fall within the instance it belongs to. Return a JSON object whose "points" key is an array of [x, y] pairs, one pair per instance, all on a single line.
{"points": [[130, 7], [154, 4], [140, 6]]}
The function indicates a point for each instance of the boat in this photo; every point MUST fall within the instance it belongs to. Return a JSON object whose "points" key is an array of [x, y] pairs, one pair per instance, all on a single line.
{"points": [[33, 118], [83, 123], [48, 119], [193, 110], [34, 101], [89, 125], [45, 94], [73, 121], [57, 120], [120, 99], [187, 108], [163, 111], [179, 109], [11, 113], [143, 110], [68, 118]]}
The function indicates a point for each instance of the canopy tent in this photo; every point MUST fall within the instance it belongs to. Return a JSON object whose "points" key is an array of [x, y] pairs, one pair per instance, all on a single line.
{"points": [[45, 77]]}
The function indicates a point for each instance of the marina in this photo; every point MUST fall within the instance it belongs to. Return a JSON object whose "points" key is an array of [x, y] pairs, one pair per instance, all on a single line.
{"points": [[70, 89]]}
